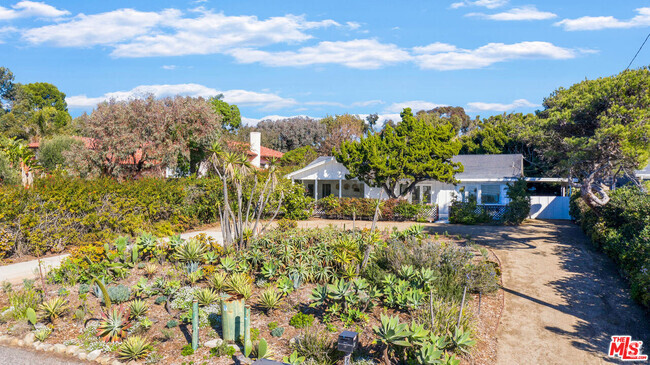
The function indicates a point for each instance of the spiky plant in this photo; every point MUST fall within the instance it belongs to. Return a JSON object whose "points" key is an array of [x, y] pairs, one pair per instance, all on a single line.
{"points": [[54, 308], [146, 244], [217, 281], [391, 333], [285, 285], [135, 348], [150, 269], [206, 296], [114, 324], [240, 283], [138, 308], [190, 251], [270, 299]]}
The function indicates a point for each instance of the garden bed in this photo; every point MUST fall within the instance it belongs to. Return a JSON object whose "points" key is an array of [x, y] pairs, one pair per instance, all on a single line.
{"points": [[325, 259]]}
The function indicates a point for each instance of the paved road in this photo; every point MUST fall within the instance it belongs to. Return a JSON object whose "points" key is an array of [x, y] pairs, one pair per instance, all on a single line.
{"points": [[563, 299], [15, 273], [15, 356]]}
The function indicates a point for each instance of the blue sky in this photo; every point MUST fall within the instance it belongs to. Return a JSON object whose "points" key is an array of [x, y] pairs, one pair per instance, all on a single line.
{"points": [[285, 58]]}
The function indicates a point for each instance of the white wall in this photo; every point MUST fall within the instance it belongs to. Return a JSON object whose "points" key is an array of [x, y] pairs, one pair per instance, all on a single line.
{"points": [[549, 207]]}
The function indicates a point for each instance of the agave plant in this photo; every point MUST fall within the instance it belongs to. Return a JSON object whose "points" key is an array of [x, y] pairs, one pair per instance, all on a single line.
{"points": [[270, 269], [114, 324], [206, 296], [210, 257], [391, 333], [462, 340], [429, 354], [270, 299], [146, 244], [228, 264], [135, 348], [138, 308], [190, 251], [54, 308], [407, 272], [240, 283], [285, 285], [217, 281]]}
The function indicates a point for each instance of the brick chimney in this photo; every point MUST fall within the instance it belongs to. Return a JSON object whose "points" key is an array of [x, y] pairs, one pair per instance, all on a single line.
{"points": [[256, 147]]}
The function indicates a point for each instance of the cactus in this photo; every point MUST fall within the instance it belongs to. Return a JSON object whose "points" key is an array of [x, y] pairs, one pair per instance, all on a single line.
{"points": [[262, 349], [31, 316], [134, 253], [102, 287]]}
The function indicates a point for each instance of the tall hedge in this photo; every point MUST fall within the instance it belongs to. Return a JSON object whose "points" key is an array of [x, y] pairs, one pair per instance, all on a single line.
{"points": [[60, 211], [622, 230]]}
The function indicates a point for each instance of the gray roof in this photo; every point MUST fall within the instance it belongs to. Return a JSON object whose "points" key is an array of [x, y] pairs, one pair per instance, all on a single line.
{"points": [[490, 166], [645, 173]]}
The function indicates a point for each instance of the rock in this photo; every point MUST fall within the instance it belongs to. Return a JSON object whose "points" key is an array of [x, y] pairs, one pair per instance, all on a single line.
{"points": [[46, 347], [103, 360], [21, 343], [13, 342], [36, 345], [116, 362], [59, 348], [213, 343], [93, 355], [241, 359], [82, 355], [29, 338], [4, 338], [72, 349]]}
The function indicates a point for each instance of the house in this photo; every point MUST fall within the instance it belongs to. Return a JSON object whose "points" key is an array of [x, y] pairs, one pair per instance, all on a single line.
{"points": [[643, 174], [485, 177], [258, 155]]}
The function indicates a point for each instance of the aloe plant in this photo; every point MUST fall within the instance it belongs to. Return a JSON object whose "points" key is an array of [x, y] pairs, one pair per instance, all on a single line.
{"points": [[391, 333], [270, 299], [54, 308], [114, 324], [135, 348]]}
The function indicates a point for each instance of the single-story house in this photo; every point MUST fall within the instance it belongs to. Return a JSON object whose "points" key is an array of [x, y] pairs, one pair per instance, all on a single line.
{"points": [[643, 174], [486, 177]]}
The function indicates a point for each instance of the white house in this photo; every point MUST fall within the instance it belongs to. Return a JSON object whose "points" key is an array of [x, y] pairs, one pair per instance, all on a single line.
{"points": [[484, 176]]}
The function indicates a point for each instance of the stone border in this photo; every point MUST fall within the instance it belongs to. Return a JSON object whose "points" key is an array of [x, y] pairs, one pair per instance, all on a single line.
{"points": [[73, 350]]}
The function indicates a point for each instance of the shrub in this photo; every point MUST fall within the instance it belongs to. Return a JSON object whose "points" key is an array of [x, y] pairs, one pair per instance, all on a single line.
{"points": [[316, 345], [187, 350], [286, 224], [468, 212], [518, 207], [277, 332], [297, 205], [301, 320], [21, 300], [50, 152], [135, 348], [364, 208]]}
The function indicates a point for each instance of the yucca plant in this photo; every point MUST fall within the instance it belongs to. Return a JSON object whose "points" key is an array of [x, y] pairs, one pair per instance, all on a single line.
{"points": [[42, 334], [114, 324], [217, 281], [190, 251], [150, 269], [391, 333], [270, 299], [54, 308], [240, 283], [138, 308], [206, 296], [135, 348]]}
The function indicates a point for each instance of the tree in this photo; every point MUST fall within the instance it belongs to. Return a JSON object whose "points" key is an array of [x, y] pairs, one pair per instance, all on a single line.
{"points": [[127, 138], [597, 130], [372, 122], [7, 87], [412, 151], [37, 110], [51, 151], [449, 114], [299, 157], [291, 133], [341, 128], [230, 116]]}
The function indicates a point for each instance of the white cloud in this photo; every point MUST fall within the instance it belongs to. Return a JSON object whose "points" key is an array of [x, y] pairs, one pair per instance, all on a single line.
{"points": [[25, 9], [168, 67], [5, 31], [492, 53], [254, 121], [358, 53], [490, 4], [436, 47], [100, 29], [514, 14], [415, 105], [367, 103], [239, 97], [353, 25], [519, 103], [134, 33], [606, 22]]}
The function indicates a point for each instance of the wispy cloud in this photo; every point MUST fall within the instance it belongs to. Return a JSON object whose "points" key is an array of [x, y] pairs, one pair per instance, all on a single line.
{"points": [[606, 22], [239, 97], [24, 9], [415, 105], [517, 14], [490, 4], [517, 104], [490, 54], [358, 53], [168, 67]]}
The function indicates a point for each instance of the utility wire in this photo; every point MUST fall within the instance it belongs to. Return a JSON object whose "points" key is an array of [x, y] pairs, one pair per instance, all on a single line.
{"points": [[637, 52]]}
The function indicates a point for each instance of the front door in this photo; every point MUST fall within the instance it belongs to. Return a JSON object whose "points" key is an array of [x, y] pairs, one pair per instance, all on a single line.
{"points": [[327, 190]]}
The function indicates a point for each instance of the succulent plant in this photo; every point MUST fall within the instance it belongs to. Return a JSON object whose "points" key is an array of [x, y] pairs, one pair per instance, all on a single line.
{"points": [[217, 281], [277, 332], [119, 293], [42, 334], [240, 283], [190, 251], [270, 299], [138, 308], [114, 324], [206, 296], [54, 308], [135, 348]]}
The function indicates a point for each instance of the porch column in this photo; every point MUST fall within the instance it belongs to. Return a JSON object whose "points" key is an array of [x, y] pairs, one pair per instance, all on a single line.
{"points": [[315, 189], [340, 188]]}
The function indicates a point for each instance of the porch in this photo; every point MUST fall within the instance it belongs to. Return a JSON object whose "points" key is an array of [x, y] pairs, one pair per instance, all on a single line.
{"points": [[340, 188]]}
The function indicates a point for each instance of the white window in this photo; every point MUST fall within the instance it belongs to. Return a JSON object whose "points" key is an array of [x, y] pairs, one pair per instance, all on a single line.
{"points": [[490, 194]]}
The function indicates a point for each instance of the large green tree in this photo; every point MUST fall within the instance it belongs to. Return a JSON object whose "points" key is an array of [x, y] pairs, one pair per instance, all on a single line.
{"points": [[36, 110], [229, 114], [597, 130], [413, 151]]}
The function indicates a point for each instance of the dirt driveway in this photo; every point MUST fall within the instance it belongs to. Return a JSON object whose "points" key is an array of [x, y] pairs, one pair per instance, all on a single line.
{"points": [[563, 299]]}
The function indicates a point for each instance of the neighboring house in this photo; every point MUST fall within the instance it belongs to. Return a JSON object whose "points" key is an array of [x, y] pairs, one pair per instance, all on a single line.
{"points": [[484, 177], [643, 174]]}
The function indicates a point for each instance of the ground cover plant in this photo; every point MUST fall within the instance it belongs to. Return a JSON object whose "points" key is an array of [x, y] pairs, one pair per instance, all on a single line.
{"points": [[401, 290]]}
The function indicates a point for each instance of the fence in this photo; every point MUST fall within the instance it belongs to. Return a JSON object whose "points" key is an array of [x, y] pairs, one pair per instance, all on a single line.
{"points": [[549, 207]]}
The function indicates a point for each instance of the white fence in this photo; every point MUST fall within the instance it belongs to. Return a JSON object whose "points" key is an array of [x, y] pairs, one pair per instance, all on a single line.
{"points": [[549, 207]]}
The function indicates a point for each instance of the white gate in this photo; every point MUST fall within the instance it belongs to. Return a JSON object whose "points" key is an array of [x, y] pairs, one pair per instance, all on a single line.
{"points": [[549, 207]]}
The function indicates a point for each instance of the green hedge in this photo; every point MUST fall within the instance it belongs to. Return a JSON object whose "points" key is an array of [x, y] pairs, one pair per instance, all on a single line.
{"points": [[391, 209], [622, 230], [59, 211]]}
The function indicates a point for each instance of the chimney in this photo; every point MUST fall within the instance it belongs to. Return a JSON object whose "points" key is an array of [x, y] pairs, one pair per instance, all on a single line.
{"points": [[256, 148]]}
